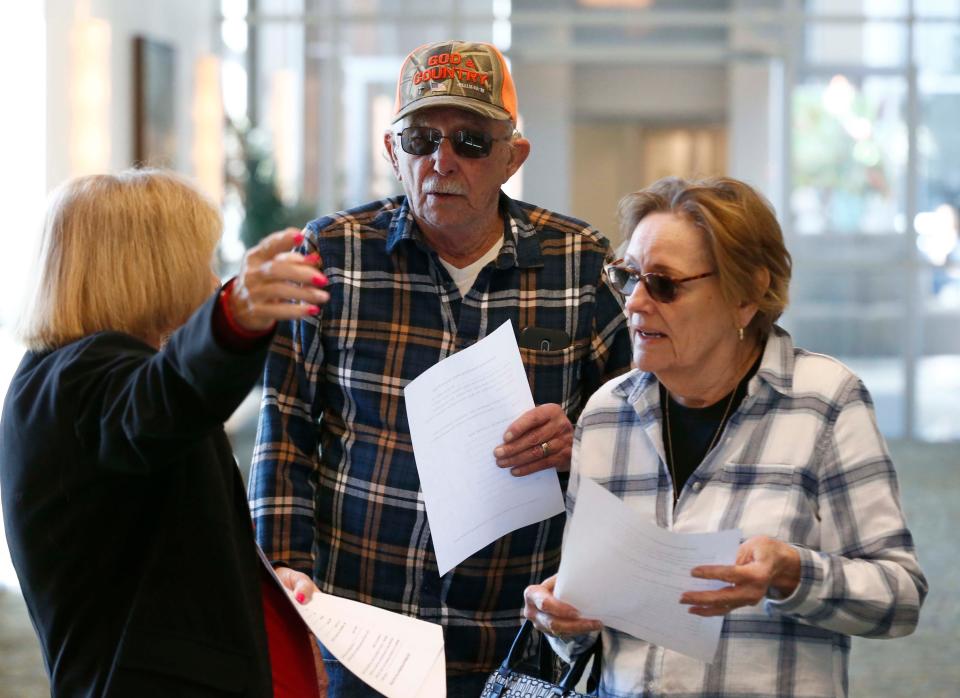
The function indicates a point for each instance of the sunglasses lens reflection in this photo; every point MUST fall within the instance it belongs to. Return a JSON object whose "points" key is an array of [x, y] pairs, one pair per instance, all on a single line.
{"points": [[661, 288], [419, 141], [623, 280], [423, 140], [472, 144]]}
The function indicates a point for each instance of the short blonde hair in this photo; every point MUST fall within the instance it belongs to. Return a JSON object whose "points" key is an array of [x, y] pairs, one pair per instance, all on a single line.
{"points": [[742, 232], [130, 252]]}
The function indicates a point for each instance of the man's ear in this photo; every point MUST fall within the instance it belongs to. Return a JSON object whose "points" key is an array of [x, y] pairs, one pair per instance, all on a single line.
{"points": [[519, 152], [388, 146]]}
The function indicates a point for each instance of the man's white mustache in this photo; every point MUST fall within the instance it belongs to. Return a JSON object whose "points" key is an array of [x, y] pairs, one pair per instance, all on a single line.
{"points": [[435, 187]]}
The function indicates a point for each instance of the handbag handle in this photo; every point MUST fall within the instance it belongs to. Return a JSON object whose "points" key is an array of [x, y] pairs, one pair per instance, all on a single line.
{"points": [[572, 675]]}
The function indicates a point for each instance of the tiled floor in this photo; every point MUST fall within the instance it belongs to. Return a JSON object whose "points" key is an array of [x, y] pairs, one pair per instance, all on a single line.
{"points": [[924, 665], [21, 667]]}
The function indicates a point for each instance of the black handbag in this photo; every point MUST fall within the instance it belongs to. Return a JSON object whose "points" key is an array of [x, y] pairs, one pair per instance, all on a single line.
{"points": [[507, 682]]}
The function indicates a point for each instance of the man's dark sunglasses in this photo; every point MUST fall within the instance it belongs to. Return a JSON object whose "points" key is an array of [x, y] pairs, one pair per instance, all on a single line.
{"points": [[661, 287], [423, 140]]}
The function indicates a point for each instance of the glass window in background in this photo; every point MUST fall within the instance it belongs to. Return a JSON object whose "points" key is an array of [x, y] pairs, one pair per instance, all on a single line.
{"points": [[233, 42], [874, 43], [937, 8], [847, 206], [937, 57], [438, 7], [871, 8], [938, 146], [849, 155], [852, 311], [267, 103]]}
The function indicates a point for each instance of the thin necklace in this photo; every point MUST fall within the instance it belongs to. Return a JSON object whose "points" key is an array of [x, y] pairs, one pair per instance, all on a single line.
{"points": [[713, 441]]}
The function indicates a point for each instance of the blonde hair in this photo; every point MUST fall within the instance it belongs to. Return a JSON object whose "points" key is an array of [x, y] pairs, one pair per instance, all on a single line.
{"points": [[130, 253], [743, 235]]}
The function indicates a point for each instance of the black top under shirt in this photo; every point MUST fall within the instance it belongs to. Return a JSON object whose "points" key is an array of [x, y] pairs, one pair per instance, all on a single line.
{"points": [[693, 428]]}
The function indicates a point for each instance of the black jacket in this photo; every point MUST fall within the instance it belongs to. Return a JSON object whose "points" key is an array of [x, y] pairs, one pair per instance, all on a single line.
{"points": [[127, 519]]}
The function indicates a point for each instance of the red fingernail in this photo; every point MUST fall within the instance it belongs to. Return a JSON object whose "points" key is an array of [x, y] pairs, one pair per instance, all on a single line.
{"points": [[298, 239], [313, 310], [319, 280], [312, 258], [300, 597]]}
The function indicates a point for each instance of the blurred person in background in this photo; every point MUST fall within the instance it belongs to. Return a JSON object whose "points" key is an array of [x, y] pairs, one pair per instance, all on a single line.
{"points": [[725, 424], [123, 507]]}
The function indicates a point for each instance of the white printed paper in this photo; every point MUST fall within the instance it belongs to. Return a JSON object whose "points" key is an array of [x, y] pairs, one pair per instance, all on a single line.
{"points": [[629, 573], [400, 656], [458, 411]]}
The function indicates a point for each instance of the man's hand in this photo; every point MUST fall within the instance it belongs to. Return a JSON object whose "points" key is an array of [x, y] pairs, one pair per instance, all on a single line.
{"points": [[300, 584], [552, 616], [762, 563], [540, 438]]}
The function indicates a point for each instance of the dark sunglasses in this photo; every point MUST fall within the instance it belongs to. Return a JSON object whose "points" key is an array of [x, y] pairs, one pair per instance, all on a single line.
{"points": [[661, 287], [423, 140]]}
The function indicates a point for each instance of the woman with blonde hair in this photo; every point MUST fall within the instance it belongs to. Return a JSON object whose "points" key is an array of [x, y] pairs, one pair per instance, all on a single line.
{"points": [[123, 507], [725, 424]]}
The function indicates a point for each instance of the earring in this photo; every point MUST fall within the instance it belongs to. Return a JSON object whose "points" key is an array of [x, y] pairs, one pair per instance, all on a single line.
{"points": [[740, 333]]}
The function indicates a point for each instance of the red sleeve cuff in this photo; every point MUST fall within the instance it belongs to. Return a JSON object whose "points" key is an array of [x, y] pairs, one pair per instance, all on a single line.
{"points": [[228, 331], [289, 643]]}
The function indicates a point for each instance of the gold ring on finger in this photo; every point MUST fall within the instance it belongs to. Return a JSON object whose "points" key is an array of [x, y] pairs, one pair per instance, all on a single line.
{"points": [[545, 448]]}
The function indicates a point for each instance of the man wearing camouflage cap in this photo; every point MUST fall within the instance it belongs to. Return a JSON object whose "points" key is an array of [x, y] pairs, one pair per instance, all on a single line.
{"points": [[413, 279]]}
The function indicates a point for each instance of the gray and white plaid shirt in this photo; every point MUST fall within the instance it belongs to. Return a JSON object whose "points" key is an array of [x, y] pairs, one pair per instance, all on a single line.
{"points": [[801, 460]]}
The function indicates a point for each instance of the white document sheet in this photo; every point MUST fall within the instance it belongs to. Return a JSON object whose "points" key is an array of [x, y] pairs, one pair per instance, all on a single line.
{"points": [[399, 656], [619, 568], [458, 411]]}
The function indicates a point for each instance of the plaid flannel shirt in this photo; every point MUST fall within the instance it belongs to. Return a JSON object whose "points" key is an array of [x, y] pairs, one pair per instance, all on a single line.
{"points": [[801, 460], [334, 488]]}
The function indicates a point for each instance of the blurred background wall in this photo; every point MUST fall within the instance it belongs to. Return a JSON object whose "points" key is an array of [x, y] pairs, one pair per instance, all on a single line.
{"points": [[843, 112]]}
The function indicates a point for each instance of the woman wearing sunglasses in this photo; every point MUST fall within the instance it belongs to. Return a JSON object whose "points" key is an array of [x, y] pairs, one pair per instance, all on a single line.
{"points": [[123, 506], [725, 424]]}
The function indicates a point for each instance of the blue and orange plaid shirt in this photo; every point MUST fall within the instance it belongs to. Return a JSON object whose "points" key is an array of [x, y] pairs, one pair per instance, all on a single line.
{"points": [[334, 488]]}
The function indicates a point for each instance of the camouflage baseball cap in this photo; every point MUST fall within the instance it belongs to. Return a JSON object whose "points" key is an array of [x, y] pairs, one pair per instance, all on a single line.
{"points": [[466, 74]]}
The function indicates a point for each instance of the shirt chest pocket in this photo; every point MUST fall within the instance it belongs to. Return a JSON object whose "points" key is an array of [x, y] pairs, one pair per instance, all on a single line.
{"points": [[554, 376], [759, 497]]}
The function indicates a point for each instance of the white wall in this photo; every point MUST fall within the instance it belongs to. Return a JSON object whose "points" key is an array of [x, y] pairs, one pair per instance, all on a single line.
{"points": [[570, 112], [562, 103], [756, 119], [651, 93], [544, 101], [189, 25], [22, 175], [22, 184]]}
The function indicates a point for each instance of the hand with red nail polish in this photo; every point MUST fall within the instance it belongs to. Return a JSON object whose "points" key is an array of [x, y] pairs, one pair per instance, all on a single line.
{"points": [[276, 283], [300, 584]]}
